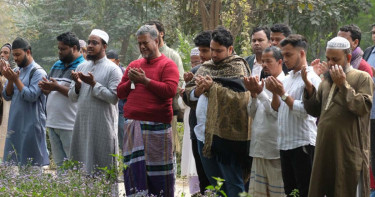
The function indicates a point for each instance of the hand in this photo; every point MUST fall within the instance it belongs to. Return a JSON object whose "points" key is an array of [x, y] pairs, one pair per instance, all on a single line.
{"points": [[3, 65], [10, 74], [89, 79], [275, 86], [46, 85], [188, 76], [338, 75], [180, 91], [252, 84], [204, 82], [77, 80], [137, 75], [319, 67]]}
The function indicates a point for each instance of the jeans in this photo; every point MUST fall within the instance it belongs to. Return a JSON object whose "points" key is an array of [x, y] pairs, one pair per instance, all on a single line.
{"points": [[121, 125], [231, 173], [60, 144]]}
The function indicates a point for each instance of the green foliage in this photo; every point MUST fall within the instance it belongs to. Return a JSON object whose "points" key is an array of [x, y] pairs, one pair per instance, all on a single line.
{"points": [[295, 193], [184, 49], [216, 190]]}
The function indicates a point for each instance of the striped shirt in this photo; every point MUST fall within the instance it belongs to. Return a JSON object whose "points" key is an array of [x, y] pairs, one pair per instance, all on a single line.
{"points": [[296, 127]]}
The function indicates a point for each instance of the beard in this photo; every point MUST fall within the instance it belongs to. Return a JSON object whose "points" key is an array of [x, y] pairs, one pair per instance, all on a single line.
{"points": [[67, 59], [23, 63]]}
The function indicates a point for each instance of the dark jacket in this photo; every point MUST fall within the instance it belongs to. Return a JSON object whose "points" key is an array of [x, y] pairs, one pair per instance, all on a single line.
{"points": [[367, 53], [250, 60]]}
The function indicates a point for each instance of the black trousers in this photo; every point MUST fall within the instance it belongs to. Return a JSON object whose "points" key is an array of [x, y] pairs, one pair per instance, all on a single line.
{"points": [[203, 180], [296, 165]]}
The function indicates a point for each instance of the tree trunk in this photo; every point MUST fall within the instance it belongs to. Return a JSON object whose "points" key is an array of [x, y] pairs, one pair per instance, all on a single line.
{"points": [[124, 47], [210, 13]]}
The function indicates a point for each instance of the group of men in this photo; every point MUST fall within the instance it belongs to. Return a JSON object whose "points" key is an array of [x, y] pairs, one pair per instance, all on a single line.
{"points": [[267, 124]]}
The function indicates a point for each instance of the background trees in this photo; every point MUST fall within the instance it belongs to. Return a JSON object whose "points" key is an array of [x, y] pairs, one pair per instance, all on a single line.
{"points": [[42, 20]]}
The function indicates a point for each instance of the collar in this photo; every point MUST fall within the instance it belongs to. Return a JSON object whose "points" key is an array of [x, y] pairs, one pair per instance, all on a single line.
{"points": [[28, 67], [373, 50], [163, 48]]}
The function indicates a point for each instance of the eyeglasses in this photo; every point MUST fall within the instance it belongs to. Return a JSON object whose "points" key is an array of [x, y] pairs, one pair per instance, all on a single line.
{"points": [[93, 42]]}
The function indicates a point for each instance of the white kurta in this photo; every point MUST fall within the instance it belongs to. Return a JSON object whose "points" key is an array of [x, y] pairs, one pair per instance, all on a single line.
{"points": [[95, 128], [4, 124]]}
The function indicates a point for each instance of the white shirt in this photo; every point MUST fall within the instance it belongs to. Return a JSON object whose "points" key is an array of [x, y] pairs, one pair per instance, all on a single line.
{"points": [[257, 69], [201, 113], [264, 128], [296, 127]]}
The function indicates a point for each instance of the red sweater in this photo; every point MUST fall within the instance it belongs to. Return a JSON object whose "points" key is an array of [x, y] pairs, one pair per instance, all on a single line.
{"points": [[364, 66], [154, 101]]}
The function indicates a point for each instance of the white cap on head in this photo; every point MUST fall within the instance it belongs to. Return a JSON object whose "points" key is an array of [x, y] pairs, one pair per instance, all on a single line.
{"points": [[100, 33], [194, 52], [338, 43]]}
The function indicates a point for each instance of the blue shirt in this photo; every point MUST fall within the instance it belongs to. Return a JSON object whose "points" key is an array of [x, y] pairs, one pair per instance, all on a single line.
{"points": [[27, 119], [371, 61], [201, 113]]}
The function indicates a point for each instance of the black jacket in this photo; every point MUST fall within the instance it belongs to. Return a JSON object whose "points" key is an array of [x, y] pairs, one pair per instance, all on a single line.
{"points": [[367, 52]]}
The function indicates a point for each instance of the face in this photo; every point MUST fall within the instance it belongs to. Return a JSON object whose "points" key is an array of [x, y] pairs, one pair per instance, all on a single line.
{"points": [[83, 51], [65, 52], [116, 61], [95, 47], [5, 53], [270, 65], [219, 52], [292, 56], [204, 53], [353, 43], [195, 60], [276, 38], [147, 46], [259, 42], [373, 34], [336, 56], [21, 57]]}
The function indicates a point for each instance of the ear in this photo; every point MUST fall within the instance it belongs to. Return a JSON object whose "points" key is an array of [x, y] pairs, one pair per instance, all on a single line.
{"points": [[161, 34], [157, 41], [105, 46], [280, 62], [349, 57], [303, 53], [356, 42], [230, 50]]}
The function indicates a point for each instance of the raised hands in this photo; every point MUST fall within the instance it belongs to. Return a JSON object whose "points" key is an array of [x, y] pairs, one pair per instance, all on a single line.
{"points": [[8, 72], [275, 86], [338, 75], [308, 84], [137, 75], [48, 86], [319, 67], [89, 78], [188, 76], [252, 84], [203, 84]]}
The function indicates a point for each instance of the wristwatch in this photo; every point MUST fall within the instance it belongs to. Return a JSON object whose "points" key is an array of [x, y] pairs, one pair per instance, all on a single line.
{"points": [[283, 97]]}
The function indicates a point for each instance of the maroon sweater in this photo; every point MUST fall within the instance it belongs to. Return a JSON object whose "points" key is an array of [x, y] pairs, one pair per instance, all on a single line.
{"points": [[154, 101]]}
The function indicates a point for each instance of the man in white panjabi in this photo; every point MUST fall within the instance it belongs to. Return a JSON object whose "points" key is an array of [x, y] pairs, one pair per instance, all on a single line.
{"points": [[94, 88]]}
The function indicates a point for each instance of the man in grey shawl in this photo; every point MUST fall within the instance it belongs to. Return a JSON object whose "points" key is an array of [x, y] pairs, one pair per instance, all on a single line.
{"points": [[94, 88]]}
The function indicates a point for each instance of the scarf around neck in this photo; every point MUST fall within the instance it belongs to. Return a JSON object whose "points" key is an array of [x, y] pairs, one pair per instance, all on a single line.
{"points": [[356, 57]]}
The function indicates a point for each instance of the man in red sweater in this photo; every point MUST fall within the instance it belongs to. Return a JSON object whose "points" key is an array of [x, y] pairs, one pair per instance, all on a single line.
{"points": [[149, 84], [353, 34]]}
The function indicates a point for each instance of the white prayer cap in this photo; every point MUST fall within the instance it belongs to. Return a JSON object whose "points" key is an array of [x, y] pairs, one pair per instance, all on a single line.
{"points": [[338, 43], [194, 52], [82, 43], [100, 33]]}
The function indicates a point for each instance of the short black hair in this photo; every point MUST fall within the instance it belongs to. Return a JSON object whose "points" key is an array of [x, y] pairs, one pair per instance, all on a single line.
{"points": [[281, 28], [203, 39], [112, 54], [21, 43], [276, 52], [295, 40], [158, 25], [70, 39], [355, 32], [222, 36], [373, 25], [265, 29]]}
